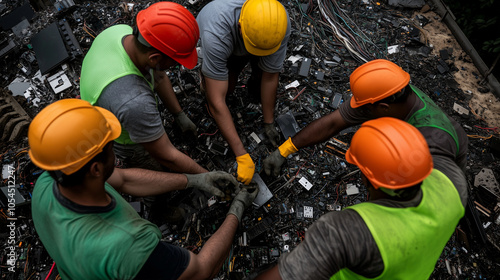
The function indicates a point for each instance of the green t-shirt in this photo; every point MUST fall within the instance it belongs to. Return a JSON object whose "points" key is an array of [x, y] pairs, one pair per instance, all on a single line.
{"points": [[109, 242]]}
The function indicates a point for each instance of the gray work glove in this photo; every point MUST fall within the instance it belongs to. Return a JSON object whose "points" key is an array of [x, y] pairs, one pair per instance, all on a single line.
{"points": [[271, 133], [273, 163], [243, 200], [211, 182], [185, 123]]}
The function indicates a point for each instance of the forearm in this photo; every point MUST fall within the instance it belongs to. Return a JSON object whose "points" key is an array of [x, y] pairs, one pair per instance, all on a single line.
{"points": [[215, 251], [226, 126], [216, 97], [167, 154], [142, 182], [269, 84], [180, 162], [319, 130], [164, 89]]}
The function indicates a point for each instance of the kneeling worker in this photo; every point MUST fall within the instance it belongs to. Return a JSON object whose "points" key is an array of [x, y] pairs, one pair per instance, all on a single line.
{"points": [[380, 88], [234, 33], [124, 72], [88, 229], [401, 231]]}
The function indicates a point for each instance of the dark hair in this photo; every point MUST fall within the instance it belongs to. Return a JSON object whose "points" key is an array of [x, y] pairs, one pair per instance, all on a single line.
{"points": [[398, 97], [77, 178]]}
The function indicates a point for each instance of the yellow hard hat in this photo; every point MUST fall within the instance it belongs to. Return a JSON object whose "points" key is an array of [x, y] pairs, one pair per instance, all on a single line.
{"points": [[391, 153], [376, 80], [68, 133], [263, 26]]}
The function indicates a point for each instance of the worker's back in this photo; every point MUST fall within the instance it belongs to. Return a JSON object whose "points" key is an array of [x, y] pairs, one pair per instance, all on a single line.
{"points": [[411, 239]]}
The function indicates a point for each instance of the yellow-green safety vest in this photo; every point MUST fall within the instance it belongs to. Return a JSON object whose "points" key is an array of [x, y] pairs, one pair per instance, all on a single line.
{"points": [[105, 62]]}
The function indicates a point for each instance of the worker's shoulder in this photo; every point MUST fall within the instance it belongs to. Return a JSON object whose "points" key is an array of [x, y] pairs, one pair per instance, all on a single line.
{"points": [[129, 89], [43, 185], [219, 11], [116, 28], [224, 5], [347, 217], [128, 86]]}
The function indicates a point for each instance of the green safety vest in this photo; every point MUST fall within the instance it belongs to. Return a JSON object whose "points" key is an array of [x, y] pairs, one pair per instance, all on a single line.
{"points": [[410, 240], [431, 115], [105, 62], [104, 245]]}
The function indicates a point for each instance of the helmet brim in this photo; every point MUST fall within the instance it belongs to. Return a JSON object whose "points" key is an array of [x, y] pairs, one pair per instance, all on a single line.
{"points": [[256, 51], [354, 104], [189, 61], [114, 123]]}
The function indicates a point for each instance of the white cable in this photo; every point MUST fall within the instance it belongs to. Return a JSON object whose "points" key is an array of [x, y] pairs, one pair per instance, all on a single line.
{"points": [[343, 39]]}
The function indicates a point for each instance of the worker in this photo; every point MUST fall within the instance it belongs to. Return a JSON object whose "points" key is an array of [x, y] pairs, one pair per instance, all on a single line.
{"points": [[87, 227], [413, 210], [381, 88], [232, 34], [125, 66]]}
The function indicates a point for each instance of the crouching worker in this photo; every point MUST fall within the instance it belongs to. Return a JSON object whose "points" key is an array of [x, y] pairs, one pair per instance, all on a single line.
{"points": [[401, 231], [88, 229]]}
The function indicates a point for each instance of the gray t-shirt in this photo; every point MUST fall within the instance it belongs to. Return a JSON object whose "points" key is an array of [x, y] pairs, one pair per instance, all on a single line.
{"points": [[342, 239], [220, 38], [133, 102]]}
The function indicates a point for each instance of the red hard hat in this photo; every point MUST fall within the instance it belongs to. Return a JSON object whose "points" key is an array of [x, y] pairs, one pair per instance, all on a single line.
{"points": [[171, 29]]}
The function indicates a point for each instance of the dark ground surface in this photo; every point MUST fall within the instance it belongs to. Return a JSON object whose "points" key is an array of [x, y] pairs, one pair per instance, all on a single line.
{"points": [[279, 225]]}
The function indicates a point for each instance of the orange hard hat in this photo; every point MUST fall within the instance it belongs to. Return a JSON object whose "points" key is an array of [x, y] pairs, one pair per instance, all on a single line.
{"points": [[68, 133], [171, 29], [376, 80], [263, 26], [391, 153]]}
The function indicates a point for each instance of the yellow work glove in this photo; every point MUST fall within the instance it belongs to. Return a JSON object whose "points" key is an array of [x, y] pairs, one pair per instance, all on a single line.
{"points": [[246, 168], [287, 148]]}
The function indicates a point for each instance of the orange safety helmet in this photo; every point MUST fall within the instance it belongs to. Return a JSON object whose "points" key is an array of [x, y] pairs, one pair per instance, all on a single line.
{"points": [[171, 29], [68, 133], [391, 153], [376, 80], [263, 26]]}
